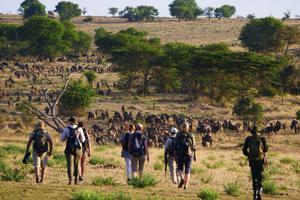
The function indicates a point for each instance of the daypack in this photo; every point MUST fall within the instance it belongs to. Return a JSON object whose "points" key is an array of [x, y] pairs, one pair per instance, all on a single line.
{"points": [[86, 143], [256, 149], [183, 145], [73, 143], [40, 141], [125, 140], [171, 148], [137, 146]]}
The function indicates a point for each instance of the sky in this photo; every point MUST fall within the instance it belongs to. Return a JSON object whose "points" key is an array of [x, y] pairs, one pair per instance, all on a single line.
{"points": [[260, 8]]}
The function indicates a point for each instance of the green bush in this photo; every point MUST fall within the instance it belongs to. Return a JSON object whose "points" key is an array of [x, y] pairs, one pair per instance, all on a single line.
{"points": [[208, 194], [298, 115], [104, 162], [104, 181], [232, 189], [287, 161], [12, 175], [88, 19], [214, 165], [158, 165], [197, 171], [269, 187], [11, 149], [296, 167], [267, 91], [147, 180], [58, 160], [3, 165], [91, 195]]}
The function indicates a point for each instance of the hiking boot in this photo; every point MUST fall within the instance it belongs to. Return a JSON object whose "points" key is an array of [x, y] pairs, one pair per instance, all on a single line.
{"points": [[70, 182], [76, 181], [128, 180], [181, 184], [41, 181], [80, 178], [37, 180], [184, 187]]}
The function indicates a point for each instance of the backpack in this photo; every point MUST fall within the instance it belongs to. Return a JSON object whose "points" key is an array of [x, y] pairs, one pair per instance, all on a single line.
{"points": [[256, 149], [73, 143], [86, 143], [125, 140], [137, 147], [40, 141], [170, 150], [183, 145]]}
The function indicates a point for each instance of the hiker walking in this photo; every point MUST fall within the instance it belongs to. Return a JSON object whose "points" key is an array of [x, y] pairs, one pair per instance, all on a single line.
{"points": [[125, 149], [185, 153], [138, 151], [207, 139], [169, 155], [86, 150], [42, 149], [74, 137], [255, 148]]}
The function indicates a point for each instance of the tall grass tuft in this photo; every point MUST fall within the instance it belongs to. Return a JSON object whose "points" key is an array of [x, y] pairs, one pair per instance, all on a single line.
{"points": [[147, 180], [270, 187], [232, 189], [104, 181], [208, 194], [91, 195], [12, 175], [104, 162]]}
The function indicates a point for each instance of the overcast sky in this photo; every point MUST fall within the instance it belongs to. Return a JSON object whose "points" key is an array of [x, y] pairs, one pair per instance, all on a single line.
{"points": [[260, 8]]}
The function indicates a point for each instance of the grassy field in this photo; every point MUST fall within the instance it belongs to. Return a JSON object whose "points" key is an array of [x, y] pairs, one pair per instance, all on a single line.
{"points": [[215, 168]]}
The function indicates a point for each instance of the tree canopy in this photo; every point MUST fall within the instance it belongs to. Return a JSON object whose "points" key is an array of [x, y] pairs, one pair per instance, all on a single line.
{"points": [[31, 8], [185, 9], [225, 11], [67, 10], [139, 13]]}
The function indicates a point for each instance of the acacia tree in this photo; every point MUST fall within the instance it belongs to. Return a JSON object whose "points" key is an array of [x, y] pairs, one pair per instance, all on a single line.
{"points": [[90, 77], [113, 11], [67, 10], [208, 11], [31, 8], [44, 36], [246, 109], [269, 35], [185, 9]]}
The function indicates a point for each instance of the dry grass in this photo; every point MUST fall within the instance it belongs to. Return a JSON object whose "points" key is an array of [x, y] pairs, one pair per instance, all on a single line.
{"points": [[203, 177]]}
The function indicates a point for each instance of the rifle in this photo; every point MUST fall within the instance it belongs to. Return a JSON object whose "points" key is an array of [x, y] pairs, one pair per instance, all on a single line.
{"points": [[166, 165]]}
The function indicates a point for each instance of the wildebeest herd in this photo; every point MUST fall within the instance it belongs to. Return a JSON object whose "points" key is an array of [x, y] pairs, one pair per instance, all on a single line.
{"points": [[107, 126]]}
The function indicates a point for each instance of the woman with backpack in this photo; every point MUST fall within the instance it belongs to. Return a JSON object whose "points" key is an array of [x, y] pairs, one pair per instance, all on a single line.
{"points": [[169, 155], [74, 137], [138, 151], [86, 150], [42, 149], [125, 151]]}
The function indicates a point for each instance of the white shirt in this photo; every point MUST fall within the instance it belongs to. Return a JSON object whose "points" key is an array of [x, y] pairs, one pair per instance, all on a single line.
{"points": [[79, 133]]}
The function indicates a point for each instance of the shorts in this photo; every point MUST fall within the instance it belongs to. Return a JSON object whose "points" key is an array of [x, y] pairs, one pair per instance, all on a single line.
{"points": [[186, 163], [39, 159], [137, 163]]}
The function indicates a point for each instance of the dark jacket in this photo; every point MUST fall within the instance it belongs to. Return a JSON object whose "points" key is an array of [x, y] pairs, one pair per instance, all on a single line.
{"points": [[249, 139]]}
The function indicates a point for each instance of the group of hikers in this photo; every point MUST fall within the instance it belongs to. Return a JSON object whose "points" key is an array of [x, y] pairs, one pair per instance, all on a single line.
{"points": [[179, 152]]}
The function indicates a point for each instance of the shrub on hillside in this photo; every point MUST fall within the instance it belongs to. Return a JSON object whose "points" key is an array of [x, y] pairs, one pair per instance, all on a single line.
{"points": [[91, 195], [104, 181], [9, 174], [147, 180], [269, 187], [208, 194], [232, 189], [298, 115]]}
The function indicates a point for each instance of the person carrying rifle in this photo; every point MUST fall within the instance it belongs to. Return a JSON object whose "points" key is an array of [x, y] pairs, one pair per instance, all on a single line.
{"points": [[169, 155], [255, 148]]}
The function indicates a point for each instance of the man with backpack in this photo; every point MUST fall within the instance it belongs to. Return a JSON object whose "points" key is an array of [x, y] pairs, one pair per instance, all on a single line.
{"points": [[138, 151], [74, 137], [255, 148], [42, 149], [125, 151], [169, 155], [184, 152]]}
